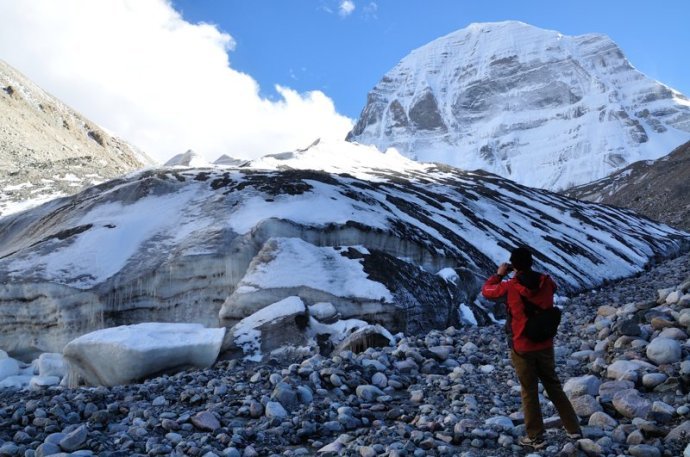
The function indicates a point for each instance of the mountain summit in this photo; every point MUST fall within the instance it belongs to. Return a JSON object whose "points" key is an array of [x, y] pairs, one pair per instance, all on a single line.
{"points": [[533, 105]]}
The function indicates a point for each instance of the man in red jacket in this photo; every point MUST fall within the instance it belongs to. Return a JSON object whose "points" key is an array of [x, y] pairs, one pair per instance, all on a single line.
{"points": [[533, 361]]}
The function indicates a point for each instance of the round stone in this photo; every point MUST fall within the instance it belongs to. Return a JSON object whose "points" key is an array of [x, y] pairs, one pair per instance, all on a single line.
{"points": [[602, 420], [583, 385], [630, 404], [651, 380], [644, 450], [275, 410], [663, 351]]}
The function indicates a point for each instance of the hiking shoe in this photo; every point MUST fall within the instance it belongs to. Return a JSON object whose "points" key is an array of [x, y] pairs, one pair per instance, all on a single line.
{"points": [[534, 443], [574, 436]]}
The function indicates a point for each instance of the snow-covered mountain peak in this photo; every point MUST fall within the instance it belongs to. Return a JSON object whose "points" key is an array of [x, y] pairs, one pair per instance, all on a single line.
{"points": [[333, 156], [188, 159], [534, 105]]}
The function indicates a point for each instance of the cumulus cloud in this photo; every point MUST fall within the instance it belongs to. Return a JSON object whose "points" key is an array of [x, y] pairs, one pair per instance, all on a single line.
{"points": [[346, 8], [137, 68]]}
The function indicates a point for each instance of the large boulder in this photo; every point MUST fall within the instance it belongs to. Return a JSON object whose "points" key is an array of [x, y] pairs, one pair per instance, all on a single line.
{"points": [[664, 350], [631, 404], [608, 389], [679, 433], [291, 267], [628, 370], [280, 326], [583, 385], [121, 355]]}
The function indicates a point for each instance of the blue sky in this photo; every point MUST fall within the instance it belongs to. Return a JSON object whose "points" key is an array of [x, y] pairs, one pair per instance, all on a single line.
{"points": [[314, 45]]}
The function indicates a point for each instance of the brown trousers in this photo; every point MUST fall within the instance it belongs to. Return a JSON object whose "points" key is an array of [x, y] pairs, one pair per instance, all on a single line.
{"points": [[535, 366]]}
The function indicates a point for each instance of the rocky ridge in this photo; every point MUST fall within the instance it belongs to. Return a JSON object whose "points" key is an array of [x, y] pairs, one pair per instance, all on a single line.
{"points": [[536, 106], [622, 351], [48, 150], [658, 189]]}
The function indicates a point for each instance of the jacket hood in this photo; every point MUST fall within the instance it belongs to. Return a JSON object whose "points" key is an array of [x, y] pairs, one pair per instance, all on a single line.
{"points": [[532, 280]]}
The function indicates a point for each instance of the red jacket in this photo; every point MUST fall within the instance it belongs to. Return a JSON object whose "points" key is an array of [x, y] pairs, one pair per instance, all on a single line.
{"points": [[542, 296]]}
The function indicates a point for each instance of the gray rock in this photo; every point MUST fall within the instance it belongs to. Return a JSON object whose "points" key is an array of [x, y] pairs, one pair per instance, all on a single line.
{"points": [[663, 350], [589, 447], [205, 420], [305, 395], [602, 420], [9, 449], [623, 370], [55, 438], [644, 450], [469, 348], [379, 380], [441, 353], [173, 437], [501, 421], [629, 327], [630, 404], [367, 451], [368, 393], [256, 409], [275, 410], [74, 440], [608, 389], [635, 437], [46, 449], [335, 380], [335, 447], [651, 380], [583, 385], [249, 451], [585, 405], [685, 368], [674, 333], [679, 433], [285, 395]]}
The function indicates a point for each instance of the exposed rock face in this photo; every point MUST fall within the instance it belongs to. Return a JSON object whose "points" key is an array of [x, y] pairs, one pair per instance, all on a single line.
{"points": [[48, 150], [659, 189], [174, 245], [543, 109]]}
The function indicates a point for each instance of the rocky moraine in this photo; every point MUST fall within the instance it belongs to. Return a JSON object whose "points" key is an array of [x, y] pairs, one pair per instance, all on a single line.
{"points": [[623, 356]]}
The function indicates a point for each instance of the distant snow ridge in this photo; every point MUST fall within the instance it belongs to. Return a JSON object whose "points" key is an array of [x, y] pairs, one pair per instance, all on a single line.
{"points": [[368, 235], [543, 109], [187, 159]]}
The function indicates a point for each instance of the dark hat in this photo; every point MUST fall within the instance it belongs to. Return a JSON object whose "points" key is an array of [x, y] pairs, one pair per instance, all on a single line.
{"points": [[521, 258]]}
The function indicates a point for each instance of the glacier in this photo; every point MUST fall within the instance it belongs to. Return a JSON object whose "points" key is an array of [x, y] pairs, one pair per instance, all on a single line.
{"points": [[392, 241]]}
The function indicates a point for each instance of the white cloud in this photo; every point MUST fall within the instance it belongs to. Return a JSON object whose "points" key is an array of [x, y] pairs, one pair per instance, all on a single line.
{"points": [[346, 8], [137, 68], [371, 10]]}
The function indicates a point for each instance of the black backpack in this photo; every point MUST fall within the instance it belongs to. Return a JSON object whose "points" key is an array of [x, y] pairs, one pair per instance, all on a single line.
{"points": [[542, 324]]}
